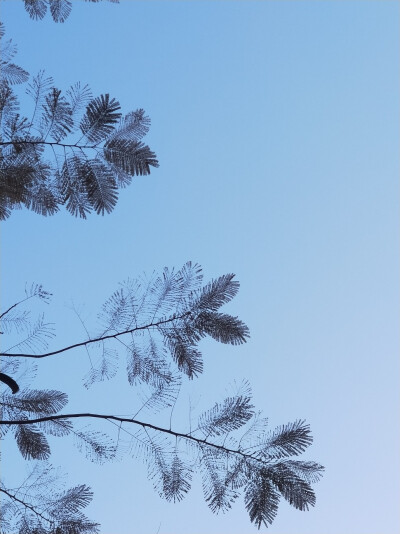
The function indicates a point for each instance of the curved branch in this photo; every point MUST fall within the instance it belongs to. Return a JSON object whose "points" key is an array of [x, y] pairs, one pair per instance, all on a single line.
{"points": [[10, 382], [144, 425], [14, 498], [14, 305], [96, 340]]}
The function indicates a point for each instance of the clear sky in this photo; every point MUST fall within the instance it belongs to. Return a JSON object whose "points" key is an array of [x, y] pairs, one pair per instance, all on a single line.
{"points": [[276, 124]]}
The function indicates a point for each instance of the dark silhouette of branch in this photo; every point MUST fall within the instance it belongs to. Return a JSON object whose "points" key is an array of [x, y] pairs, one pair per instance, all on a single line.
{"points": [[14, 498], [143, 424], [11, 383], [47, 143], [96, 340], [176, 311], [11, 307]]}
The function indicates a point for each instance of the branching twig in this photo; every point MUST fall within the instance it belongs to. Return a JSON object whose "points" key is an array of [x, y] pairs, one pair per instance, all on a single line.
{"points": [[14, 498], [144, 425], [49, 143], [96, 340]]}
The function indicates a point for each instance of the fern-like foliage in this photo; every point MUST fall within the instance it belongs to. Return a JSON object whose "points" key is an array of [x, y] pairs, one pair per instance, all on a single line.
{"points": [[230, 446], [31, 440], [42, 505], [164, 317], [75, 150], [229, 469], [59, 9], [10, 73]]}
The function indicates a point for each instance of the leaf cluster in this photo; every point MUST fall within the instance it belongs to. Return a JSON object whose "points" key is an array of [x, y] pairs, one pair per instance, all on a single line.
{"points": [[41, 505], [59, 9], [164, 317], [75, 150], [231, 445], [31, 439], [232, 464]]}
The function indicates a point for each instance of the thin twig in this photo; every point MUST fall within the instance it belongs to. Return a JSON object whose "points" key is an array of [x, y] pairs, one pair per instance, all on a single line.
{"points": [[14, 498], [96, 340], [50, 143], [144, 425]]}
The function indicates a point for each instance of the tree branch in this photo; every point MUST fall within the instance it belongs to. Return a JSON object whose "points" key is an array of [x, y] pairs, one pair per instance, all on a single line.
{"points": [[14, 305], [110, 418], [28, 142], [102, 338], [14, 498]]}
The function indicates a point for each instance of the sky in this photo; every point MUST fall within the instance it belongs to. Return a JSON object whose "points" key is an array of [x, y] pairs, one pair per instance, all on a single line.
{"points": [[276, 127]]}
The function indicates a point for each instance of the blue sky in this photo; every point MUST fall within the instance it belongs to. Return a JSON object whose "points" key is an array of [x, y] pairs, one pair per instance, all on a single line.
{"points": [[276, 126]]}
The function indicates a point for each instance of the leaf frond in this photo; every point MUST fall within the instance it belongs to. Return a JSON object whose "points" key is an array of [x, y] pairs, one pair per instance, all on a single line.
{"points": [[13, 74], [176, 480], [294, 489], [133, 126], [79, 97], [41, 402], [32, 443], [100, 117], [106, 369], [227, 416], [287, 440], [36, 8], [60, 9], [37, 337], [261, 499], [216, 293], [97, 446], [131, 156], [56, 120], [218, 495], [222, 327], [101, 187]]}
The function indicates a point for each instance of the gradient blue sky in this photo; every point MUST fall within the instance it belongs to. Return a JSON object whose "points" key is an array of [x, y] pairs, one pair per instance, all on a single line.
{"points": [[276, 126]]}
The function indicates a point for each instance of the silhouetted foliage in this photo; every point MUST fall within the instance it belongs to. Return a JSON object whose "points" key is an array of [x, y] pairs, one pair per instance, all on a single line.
{"points": [[160, 319], [41, 505], [59, 9], [74, 150]]}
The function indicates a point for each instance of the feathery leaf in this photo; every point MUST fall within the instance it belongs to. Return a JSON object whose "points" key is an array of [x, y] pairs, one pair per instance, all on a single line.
{"points": [[57, 116], [222, 327], [131, 156], [32, 443], [287, 440], [41, 402], [176, 480], [36, 8], [73, 187], [261, 499], [295, 490], [230, 415], [60, 9], [106, 370], [133, 126], [95, 445], [13, 74], [216, 293], [100, 117], [101, 187]]}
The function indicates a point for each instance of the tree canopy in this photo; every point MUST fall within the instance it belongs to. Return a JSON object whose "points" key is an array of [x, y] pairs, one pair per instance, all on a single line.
{"points": [[74, 149], [77, 150], [159, 320]]}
